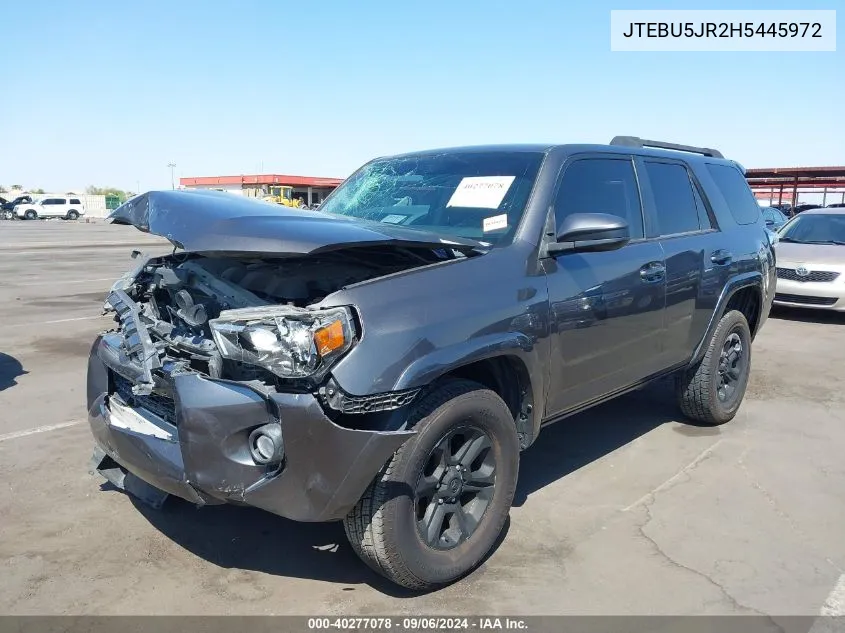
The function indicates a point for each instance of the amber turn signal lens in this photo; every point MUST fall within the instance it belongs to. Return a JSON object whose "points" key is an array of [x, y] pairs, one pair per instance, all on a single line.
{"points": [[329, 338]]}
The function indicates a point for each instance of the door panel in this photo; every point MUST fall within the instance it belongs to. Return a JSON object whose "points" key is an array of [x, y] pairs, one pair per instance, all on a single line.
{"points": [[51, 207], [678, 217], [606, 322], [697, 268], [684, 271], [606, 308]]}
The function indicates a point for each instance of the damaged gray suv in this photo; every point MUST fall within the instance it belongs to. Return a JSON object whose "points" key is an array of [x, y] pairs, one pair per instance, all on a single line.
{"points": [[384, 361]]}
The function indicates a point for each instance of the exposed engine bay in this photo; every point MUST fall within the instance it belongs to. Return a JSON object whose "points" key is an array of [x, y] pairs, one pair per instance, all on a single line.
{"points": [[167, 306]]}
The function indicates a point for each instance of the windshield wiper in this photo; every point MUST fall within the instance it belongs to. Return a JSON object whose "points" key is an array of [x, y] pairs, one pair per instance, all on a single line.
{"points": [[791, 239], [833, 242], [466, 245]]}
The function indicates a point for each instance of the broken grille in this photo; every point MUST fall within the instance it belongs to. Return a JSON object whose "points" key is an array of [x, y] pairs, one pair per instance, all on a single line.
{"points": [[155, 403]]}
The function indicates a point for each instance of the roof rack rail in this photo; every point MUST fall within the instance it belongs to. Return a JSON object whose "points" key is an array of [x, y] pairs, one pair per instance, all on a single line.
{"points": [[634, 141]]}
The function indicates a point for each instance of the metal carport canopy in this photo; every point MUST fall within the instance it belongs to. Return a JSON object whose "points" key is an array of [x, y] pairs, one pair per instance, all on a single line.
{"points": [[813, 177], [789, 180]]}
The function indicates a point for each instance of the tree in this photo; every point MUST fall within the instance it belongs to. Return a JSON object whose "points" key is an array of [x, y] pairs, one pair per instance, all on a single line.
{"points": [[3, 189], [106, 191], [39, 190], [16, 187]]}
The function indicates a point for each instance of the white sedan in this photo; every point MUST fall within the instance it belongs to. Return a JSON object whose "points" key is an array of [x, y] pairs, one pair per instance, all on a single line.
{"points": [[811, 260]]}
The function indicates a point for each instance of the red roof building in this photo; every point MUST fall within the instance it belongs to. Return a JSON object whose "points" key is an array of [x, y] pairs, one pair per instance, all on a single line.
{"points": [[311, 189]]}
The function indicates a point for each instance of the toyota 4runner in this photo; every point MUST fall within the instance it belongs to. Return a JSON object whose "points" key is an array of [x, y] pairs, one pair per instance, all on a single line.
{"points": [[383, 361]]}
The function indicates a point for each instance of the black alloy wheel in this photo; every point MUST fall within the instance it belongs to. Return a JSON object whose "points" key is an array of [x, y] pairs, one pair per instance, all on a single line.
{"points": [[731, 367], [438, 507], [711, 391], [455, 488]]}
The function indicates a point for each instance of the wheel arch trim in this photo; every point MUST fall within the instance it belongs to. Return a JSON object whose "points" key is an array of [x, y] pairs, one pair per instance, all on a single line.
{"points": [[427, 369], [752, 279]]}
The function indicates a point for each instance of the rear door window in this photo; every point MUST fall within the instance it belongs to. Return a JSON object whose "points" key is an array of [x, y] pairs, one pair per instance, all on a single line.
{"points": [[736, 192], [674, 199], [75, 201], [601, 185]]}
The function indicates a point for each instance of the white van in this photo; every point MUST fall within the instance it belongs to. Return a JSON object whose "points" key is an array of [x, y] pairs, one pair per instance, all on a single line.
{"points": [[53, 207]]}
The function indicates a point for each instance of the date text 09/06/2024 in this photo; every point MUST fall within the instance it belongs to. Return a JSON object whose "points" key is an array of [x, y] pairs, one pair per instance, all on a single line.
{"points": [[417, 623]]}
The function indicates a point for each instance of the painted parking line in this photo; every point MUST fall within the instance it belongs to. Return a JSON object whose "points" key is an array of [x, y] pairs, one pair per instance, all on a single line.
{"points": [[47, 246], [63, 282], [39, 429], [835, 603], [36, 324], [832, 613]]}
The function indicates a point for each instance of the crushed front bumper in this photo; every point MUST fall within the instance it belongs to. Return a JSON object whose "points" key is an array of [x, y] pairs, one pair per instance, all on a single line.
{"points": [[193, 442]]}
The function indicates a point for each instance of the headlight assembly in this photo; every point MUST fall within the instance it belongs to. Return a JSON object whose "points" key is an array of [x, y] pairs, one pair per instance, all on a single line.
{"points": [[290, 342]]}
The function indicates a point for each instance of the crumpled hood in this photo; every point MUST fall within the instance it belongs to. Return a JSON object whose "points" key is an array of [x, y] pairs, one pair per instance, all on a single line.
{"points": [[826, 254], [213, 221]]}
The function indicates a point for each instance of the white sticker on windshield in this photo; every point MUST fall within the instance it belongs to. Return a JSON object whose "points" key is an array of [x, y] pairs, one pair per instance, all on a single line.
{"points": [[394, 219], [496, 222], [485, 192]]}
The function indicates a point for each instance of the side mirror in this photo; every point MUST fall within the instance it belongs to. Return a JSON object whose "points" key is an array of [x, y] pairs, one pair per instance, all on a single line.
{"points": [[774, 237], [590, 232], [770, 222]]}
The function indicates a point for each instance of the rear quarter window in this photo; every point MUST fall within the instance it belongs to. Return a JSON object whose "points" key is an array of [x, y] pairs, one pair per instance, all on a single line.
{"points": [[736, 192]]}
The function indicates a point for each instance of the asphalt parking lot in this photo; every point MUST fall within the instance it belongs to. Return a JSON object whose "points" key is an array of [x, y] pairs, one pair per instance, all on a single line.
{"points": [[622, 510]]}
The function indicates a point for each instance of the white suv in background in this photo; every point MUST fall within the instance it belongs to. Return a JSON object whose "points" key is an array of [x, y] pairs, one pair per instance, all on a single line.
{"points": [[53, 207]]}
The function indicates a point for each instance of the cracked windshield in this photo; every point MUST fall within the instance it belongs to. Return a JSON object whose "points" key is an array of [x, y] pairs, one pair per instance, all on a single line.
{"points": [[479, 196]]}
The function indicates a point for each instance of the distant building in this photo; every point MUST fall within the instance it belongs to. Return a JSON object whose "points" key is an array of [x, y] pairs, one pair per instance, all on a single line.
{"points": [[310, 189]]}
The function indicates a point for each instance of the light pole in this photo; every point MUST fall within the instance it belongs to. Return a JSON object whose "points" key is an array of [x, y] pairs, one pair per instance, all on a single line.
{"points": [[172, 177]]}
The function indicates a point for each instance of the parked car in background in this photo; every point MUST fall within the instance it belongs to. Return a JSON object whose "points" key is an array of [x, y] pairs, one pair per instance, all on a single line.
{"points": [[8, 206], [836, 205], [811, 260], [54, 207], [784, 208], [774, 218], [804, 207]]}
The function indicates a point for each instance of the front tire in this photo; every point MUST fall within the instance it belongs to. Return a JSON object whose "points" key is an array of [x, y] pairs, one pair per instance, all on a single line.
{"points": [[711, 392], [437, 508]]}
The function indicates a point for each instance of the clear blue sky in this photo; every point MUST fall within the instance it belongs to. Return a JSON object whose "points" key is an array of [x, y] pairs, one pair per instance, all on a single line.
{"points": [[108, 93]]}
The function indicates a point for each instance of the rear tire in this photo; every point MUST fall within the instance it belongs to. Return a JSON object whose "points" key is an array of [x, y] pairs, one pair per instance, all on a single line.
{"points": [[30, 215], [437, 508], [711, 392], [72, 215]]}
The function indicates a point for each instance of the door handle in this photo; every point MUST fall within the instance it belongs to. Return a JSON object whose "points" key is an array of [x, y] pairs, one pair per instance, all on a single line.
{"points": [[652, 272], [721, 257]]}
